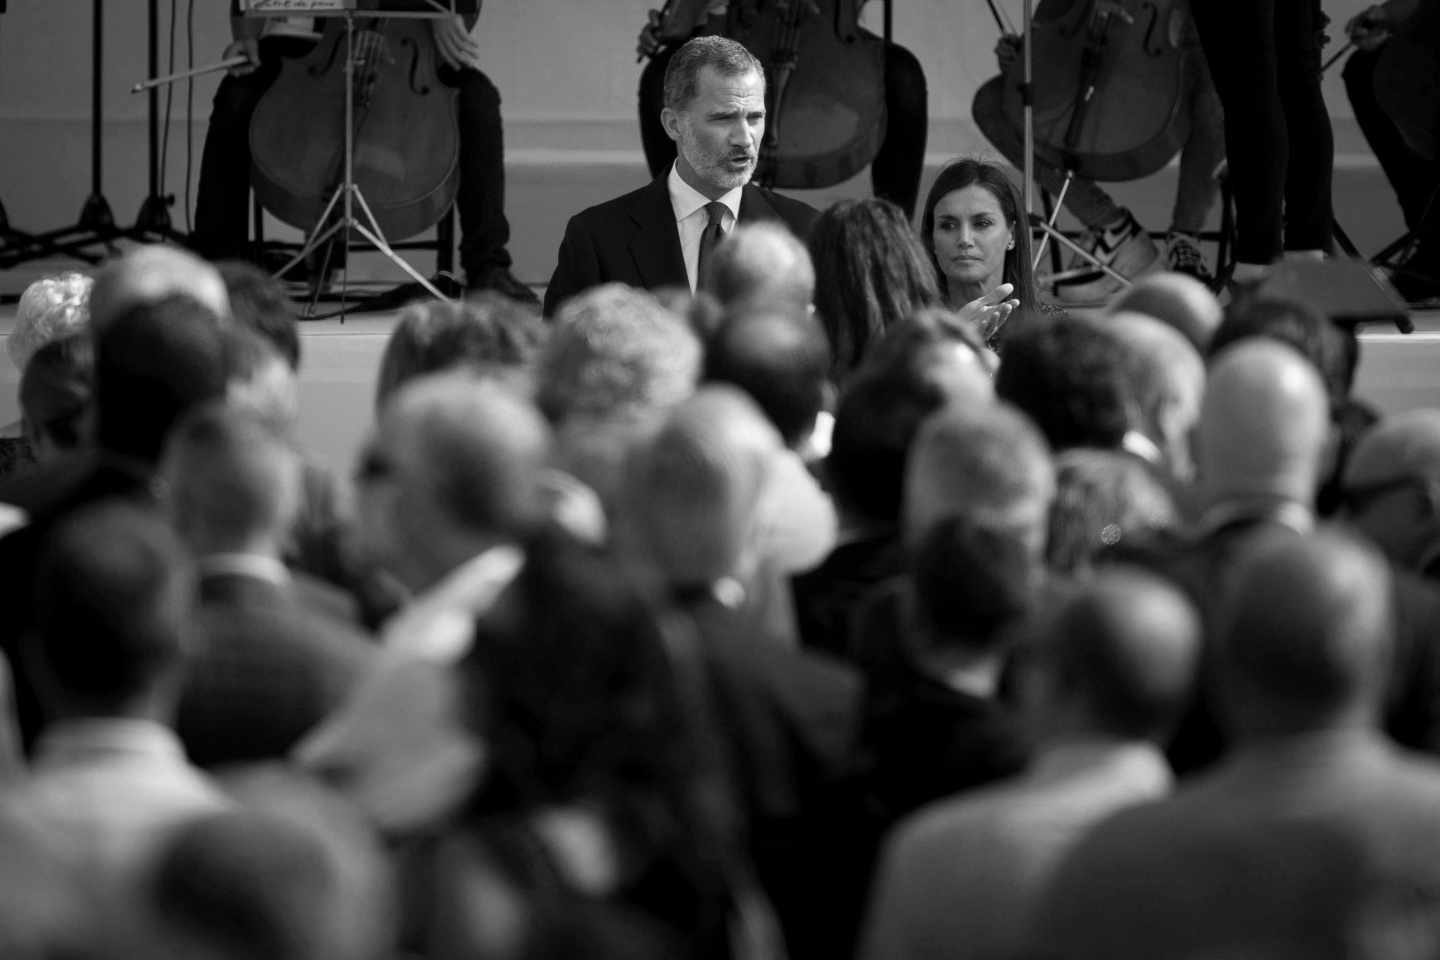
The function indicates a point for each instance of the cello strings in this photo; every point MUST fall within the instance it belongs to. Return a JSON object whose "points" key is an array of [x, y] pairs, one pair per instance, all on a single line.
{"points": [[169, 101], [189, 110]]}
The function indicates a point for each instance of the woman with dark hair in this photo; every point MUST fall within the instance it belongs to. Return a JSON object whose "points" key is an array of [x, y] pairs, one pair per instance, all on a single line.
{"points": [[975, 231], [602, 817]]}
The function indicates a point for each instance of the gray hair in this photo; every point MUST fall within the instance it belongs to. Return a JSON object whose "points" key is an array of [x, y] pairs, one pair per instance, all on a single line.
{"points": [[682, 76], [50, 309]]}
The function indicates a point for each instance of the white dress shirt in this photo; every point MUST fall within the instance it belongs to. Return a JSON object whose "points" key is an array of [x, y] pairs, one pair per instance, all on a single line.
{"points": [[691, 219]]}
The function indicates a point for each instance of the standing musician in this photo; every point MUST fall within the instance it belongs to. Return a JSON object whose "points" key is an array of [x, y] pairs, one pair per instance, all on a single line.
{"points": [[222, 207], [1113, 235], [1414, 177], [897, 166], [1265, 58]]}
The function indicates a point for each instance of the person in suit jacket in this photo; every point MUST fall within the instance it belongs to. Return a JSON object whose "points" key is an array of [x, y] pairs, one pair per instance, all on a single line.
{"points": [[270, 664], [653, 237], [1316, 837]]}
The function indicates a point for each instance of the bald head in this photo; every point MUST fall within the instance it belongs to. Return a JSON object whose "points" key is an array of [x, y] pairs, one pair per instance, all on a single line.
{"points": [[1391, 486], [1125, 646], [1167, 378], [988, 464], [1178, 301], [151, 273], [698, 486], [763, 264], [1304, 633], [455, 466], [1264, 425], [781, 359]]}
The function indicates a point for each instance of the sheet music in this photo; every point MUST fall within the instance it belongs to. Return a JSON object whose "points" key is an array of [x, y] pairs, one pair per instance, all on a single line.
{"points": [[402, 8]]}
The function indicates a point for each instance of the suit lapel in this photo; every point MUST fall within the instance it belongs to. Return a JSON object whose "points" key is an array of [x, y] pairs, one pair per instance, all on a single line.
{"points": [[754, 206], [655, 243]]}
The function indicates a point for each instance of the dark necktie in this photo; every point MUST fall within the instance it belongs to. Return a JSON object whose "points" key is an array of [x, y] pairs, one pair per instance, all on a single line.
{"points": [[709, 238]]}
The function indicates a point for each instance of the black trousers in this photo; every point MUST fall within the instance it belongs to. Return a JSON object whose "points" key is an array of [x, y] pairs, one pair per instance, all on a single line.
{"points": [[222, 202], [1264, 56], [898, 164]]}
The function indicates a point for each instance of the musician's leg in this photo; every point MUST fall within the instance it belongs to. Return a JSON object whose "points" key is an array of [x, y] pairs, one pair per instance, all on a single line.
{"points": [[1196, 189], [222, 199], [480, 201], [1308, 214], [659, 148], [1239, 41], [898, 164], [1411, 175]]}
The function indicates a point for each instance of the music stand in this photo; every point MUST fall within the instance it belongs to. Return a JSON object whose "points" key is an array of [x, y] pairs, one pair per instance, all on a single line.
{"points": [[347, 195]]}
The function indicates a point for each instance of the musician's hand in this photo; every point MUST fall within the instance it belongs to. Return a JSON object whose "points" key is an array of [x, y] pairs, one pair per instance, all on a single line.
{"points": [[246, 46], [1008, 49], [458, 50], [649, 43], [989, 312], [1370, 28]]}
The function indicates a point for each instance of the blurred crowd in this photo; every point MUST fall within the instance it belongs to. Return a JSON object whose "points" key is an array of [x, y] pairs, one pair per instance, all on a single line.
{"points": [[812, 615]]}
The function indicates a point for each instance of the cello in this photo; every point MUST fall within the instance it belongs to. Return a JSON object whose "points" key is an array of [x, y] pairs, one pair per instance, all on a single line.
{"points": [[824, 90], [406, 138], [1108, 86]]}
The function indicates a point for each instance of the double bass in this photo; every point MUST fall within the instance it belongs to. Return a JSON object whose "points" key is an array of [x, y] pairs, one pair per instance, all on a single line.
{"points": [[405, 130], [1108, 85], [824, 83]]}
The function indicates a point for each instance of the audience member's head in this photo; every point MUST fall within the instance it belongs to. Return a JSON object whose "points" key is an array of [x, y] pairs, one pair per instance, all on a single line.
{"points": [[152, 273], [781, 359], [1264, 426], [876, 419], [1304, 634], [246, 883], [995, 180], [989, 465], [1103, 498], [155, 361], [697, 488], [615, 352], [1324, 344], [1069, 377], [486, 333], [1391, 487], [454, 467], [231, 482], [972, 583], [1116, 660], [1167, 380], [937, 346], [761, 266], [871, 272], [112, 610], [259, 378], [51, 308], [258, 302], [55, 393], [1176, 300]]}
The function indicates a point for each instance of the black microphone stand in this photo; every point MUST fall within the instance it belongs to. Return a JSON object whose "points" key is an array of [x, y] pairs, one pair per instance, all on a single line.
{"points": [[152, 223]]}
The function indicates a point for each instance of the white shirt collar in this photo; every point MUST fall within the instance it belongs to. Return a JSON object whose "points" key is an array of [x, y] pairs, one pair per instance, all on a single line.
{"points": [[1142, 446], [686, 200], [253, 565]]}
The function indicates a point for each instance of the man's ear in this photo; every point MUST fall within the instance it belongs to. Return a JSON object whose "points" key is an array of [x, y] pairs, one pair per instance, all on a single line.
{"points": [[670, 120]]}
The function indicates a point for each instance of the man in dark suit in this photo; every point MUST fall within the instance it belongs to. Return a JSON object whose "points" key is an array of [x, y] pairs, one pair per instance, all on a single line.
{"points": [[271, 663], [659, 235], [1316, 837]]}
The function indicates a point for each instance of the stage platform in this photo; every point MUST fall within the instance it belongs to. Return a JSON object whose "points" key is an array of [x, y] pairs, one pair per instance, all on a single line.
{"points": [[341, 357]]}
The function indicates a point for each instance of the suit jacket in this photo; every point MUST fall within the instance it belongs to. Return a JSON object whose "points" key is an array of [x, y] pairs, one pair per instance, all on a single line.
{"points": [[269, 668], [634, 240], [1322, 845]]}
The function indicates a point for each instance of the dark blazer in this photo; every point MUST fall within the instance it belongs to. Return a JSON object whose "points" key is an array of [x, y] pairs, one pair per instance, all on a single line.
{"points": [[269, 667], [1326, 845], [634, 240]]}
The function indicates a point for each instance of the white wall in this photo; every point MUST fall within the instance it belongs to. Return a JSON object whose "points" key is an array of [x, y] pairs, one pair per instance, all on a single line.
{"points": [[565, 68]]}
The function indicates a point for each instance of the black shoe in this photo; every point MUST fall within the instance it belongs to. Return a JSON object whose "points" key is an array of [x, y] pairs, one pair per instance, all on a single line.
{"points": [[1416, 287], [503, 282]]}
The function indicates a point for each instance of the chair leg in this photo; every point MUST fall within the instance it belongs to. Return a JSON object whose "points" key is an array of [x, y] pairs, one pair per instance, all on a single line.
{"points": [[445, 242], [257, 229]]}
